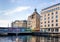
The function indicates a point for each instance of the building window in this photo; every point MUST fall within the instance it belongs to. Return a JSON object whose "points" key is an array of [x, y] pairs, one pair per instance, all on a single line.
{"points": [[52, 24], [57, 24], [41, 22], [56, 20], [52, 30], [44, 15], [52, 13], [48, 25], [52, 21], [48, 21], [32, 16], [48, 14], [52, 17], [56, 16], [45, 22], [56, 12], [48, 18], [56, 30], [44, 18], [41, 25], [49, 29], [45, 25]]}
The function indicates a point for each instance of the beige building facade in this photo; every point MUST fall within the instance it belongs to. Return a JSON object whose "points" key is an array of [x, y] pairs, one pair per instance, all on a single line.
{"points": [[33, 21], [50, 19], [17, 23]]}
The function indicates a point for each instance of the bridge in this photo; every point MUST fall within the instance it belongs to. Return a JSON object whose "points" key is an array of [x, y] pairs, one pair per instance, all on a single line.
{"points": [[22, 30], [19, 30], [10, 30]]}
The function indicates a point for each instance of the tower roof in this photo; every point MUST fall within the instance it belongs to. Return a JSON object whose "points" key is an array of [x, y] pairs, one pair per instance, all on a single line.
{"points": [[35, 10], [51, 6]]}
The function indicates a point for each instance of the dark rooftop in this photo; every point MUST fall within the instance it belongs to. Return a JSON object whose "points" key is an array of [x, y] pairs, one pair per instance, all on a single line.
{"points": [[51, 6]]}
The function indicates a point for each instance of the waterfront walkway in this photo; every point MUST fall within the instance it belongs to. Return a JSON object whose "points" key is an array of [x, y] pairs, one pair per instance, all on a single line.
{"points": [[22, 30], [4, 30]]}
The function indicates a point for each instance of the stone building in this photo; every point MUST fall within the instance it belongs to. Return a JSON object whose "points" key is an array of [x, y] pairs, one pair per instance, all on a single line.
{"points": [[33, 21], [17, 23]]}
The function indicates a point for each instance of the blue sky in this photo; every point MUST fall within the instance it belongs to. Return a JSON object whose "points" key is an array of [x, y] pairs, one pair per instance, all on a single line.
{"points": [[11, 10]]}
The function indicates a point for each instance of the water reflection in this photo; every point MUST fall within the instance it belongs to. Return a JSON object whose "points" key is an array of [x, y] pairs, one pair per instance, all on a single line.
{"points": [[29, 39]]}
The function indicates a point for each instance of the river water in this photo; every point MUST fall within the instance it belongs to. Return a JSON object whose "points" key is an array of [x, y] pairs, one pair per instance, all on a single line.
{"points": [[28, 39]]}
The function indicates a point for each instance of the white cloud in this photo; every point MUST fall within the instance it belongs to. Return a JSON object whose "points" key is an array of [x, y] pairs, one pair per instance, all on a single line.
{"points": [[4, 23], [12, 11]]}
